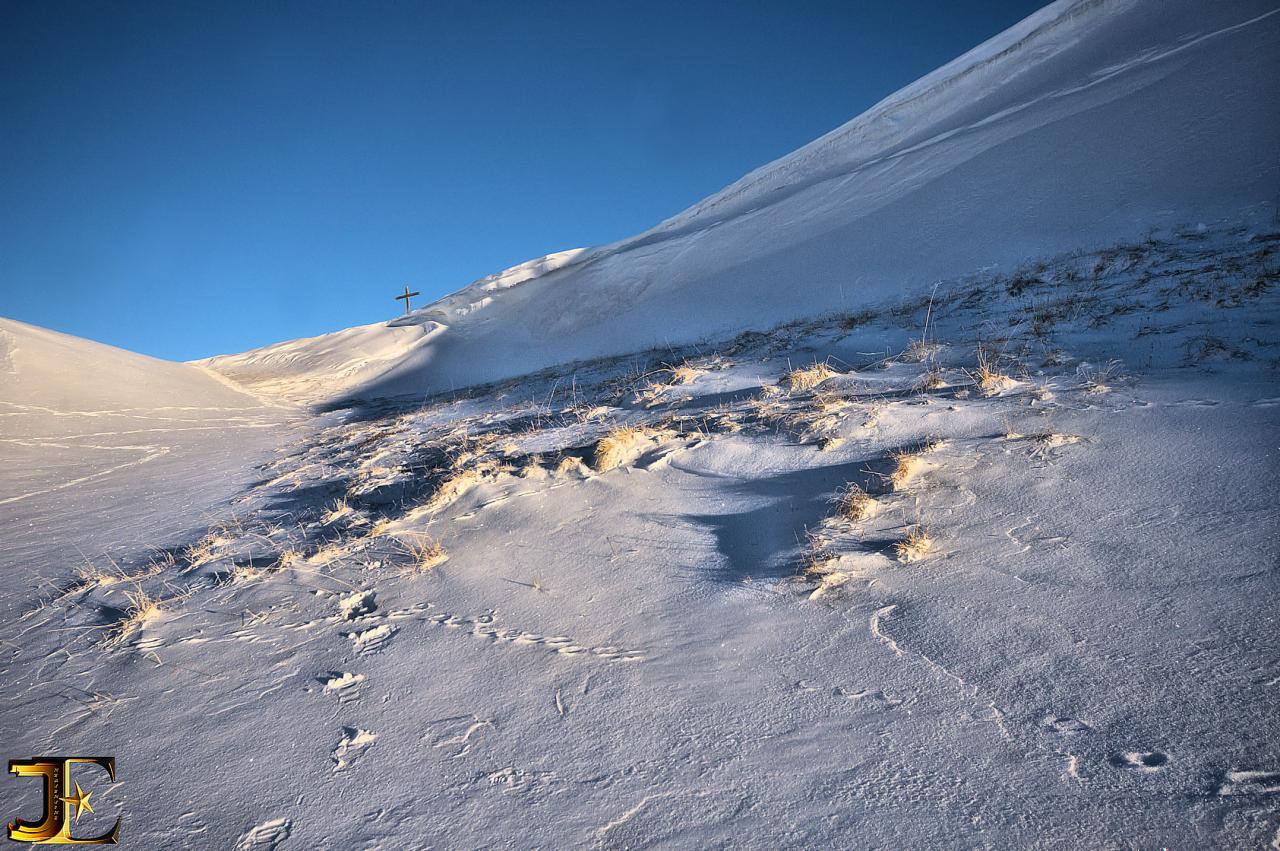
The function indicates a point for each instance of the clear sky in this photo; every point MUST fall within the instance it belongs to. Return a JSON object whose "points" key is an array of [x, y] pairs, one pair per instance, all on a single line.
{"points": [[187, 178]]}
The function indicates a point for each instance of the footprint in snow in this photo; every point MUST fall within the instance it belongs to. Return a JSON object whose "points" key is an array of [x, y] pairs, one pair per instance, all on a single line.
{"points": [[1146, 762], [357, 605], [266, 836], [1240, 782], [1063, 725], [344, 684], [371, 640], [353, 745]]}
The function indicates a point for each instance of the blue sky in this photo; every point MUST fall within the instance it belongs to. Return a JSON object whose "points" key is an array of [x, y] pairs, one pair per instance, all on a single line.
{"points": [[184, 179]]}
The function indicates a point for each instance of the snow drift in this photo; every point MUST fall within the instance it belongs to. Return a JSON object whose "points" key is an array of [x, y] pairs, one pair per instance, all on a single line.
{"points": [[50, 382]]}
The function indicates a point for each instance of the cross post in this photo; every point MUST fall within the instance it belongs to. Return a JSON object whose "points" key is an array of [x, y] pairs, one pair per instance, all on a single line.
{"points": [[407, 295]]}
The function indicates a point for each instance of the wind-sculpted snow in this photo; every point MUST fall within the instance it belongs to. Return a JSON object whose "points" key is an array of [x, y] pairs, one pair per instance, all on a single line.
{"points": [[1089, 123], [682, 598]]}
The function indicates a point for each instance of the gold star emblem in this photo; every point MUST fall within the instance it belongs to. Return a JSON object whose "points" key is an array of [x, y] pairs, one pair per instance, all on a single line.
{"points": [[80, 800]]}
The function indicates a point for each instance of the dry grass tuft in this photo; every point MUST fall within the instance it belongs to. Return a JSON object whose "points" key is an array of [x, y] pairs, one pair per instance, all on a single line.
{"points": [[722, 420], [162, 563], [830, 403], [908, 463], [988, 377], [143, 611], [816, 421], [853, 503], [289, 558], [425, 552], [370, 478], [817, 559], [329, 552], [571, 465], [1098, 379], [930, 380], [906, 466], [830, 442], [652, 394], [1046, 442], [92, 576], [765, 408], [918, 544], [337, 511], [920, 351], [821, 565], [801, 380], [271, 529], [617, 446], [206, 549], [243, 574], [453, 487], [465, 476], [685, 374]]}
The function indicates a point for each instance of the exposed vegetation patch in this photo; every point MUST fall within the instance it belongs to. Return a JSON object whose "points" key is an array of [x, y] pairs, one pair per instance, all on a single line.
{"points": [[853, 503], [988, 375], [143, 610], [806, 378], [425, 553], [918, 544], [619, 446]]}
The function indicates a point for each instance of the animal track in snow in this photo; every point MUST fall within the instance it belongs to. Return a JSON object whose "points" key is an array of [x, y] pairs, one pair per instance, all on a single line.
{"points": [[876, 698], [266, 836], [482, 626], [1148, 761], [458, 734], [344, 684], [519, 781], [1239, 782], [353, 745], [1063, 725], [357, 605], [371, 640], [410, 611], [191, 824]]}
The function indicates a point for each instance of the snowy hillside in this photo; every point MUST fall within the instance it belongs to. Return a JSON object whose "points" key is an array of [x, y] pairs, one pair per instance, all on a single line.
{"points": [[917, 490], [1088, 123], [101, 447]]}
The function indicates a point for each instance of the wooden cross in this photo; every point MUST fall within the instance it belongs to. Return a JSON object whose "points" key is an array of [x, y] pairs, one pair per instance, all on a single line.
{"points": [[407, 295]]}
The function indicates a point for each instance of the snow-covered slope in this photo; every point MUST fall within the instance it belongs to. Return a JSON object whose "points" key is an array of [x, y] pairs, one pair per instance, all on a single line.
{"points": [[1089, 122], [914, 596], [102, 445], [342, 363], [982, 555], [47, 379]]}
